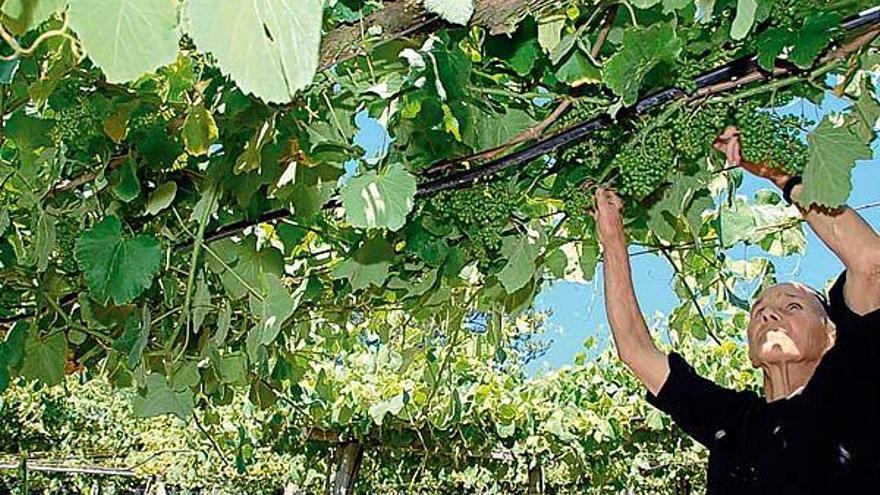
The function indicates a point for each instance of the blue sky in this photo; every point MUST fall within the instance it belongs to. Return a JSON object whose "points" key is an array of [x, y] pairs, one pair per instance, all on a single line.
{"points": [[578, 312]]}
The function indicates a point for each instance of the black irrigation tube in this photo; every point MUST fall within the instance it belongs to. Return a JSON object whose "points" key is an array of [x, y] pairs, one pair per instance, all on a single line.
{"points": [[726, 72]]}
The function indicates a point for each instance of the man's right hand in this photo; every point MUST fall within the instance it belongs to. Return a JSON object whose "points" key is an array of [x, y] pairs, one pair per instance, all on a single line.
{"points": [[609, 217]]}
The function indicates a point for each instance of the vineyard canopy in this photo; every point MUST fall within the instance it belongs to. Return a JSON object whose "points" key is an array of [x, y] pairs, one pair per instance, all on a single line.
{"points": [[197, 196]]}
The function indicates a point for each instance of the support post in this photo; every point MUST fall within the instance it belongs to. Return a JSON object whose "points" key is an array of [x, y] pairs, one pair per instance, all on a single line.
{"points": [[24, 475], [536, 478], [347, 464]]}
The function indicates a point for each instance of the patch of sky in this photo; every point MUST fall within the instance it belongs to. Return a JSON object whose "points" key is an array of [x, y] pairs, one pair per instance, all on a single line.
{"points": [[373, 138]]}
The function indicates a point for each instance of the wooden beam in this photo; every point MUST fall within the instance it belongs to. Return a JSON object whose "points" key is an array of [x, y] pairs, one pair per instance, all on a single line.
{"points": [[402, 18]]}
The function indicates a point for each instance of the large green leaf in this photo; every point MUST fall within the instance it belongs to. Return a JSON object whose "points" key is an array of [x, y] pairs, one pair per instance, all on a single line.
{"points": [[379, 199], [161, 399], [833, 152], [117, 267], [369, 265], [268, 47], [454, 11], [44, 358], [737, 223], [127, 38], [521, 251], [642, 50]]}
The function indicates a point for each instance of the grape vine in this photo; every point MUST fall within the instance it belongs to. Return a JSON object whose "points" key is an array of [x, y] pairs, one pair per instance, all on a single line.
{"points": [[480, 213]]}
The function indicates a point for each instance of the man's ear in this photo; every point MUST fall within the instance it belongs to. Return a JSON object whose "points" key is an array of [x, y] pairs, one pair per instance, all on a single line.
{"points": [[831, 332]]}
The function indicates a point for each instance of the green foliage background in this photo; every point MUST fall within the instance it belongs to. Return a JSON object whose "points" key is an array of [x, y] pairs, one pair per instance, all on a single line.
{"points": [[192, 220]]}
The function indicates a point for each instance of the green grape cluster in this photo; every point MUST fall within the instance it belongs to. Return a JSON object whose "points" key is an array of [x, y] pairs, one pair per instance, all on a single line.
{"points": [[789, 14], [592, 151], [769, 139], [694, 131], [66, 233], [644, 163], [79, 129], [480, 212], [578, 203]]}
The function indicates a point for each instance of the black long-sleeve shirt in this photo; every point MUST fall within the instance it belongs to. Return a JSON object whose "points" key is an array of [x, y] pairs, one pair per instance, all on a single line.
{"points": [[825, 440]]}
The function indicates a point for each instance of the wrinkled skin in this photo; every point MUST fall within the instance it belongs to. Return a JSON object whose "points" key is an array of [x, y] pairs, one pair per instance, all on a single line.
{"points": [[789, 325]]}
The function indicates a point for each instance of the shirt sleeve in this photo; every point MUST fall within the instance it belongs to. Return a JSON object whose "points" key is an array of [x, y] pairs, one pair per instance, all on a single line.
{"points": [[700, 407], [858, 336], [842, 315]]}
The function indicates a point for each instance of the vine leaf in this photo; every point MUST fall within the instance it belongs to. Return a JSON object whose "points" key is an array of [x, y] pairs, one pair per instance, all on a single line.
{"points": [[275, 308], [199, 131], [805, 43], [115, 267], [127, 38], [521, 252], [12, 353], [866, 112], [683, 198], [744, 20], [578, 70], [30, 135], [44, 241], [832, 155], [379, 199], [369, 265], [161, 198], [128, 186], [20, 16], [392, 406], [736, 223], [275, 43], [44, 359], [642, 50], [487, 130], [813, 37], [161, 399], [454, 11]]}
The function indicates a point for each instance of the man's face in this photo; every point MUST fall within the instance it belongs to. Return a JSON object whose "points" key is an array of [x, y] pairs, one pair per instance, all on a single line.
{"points": [[788, 324]]}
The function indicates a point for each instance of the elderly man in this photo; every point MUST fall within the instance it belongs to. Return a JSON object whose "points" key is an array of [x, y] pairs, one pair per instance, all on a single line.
{"points": [[817, 428]]}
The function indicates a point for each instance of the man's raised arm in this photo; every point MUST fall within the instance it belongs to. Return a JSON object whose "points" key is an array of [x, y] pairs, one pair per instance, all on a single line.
{"points": [[842, 230], [634, 344]]}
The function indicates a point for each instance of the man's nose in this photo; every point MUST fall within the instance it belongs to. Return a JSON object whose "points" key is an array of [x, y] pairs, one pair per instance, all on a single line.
{"points": [[768, 315]]}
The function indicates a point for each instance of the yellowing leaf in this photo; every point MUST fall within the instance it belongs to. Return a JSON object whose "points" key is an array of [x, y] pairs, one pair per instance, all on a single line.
{"points": [[199, 131]]}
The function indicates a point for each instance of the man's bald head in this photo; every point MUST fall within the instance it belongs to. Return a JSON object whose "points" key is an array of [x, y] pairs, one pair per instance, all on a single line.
{"points": [[789, 322]]}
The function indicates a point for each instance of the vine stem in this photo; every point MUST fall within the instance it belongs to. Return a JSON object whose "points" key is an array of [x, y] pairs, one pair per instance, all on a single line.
{"points": [[440, 373], [207, 435], [19, 52], [184, 318], [692, 295]]}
